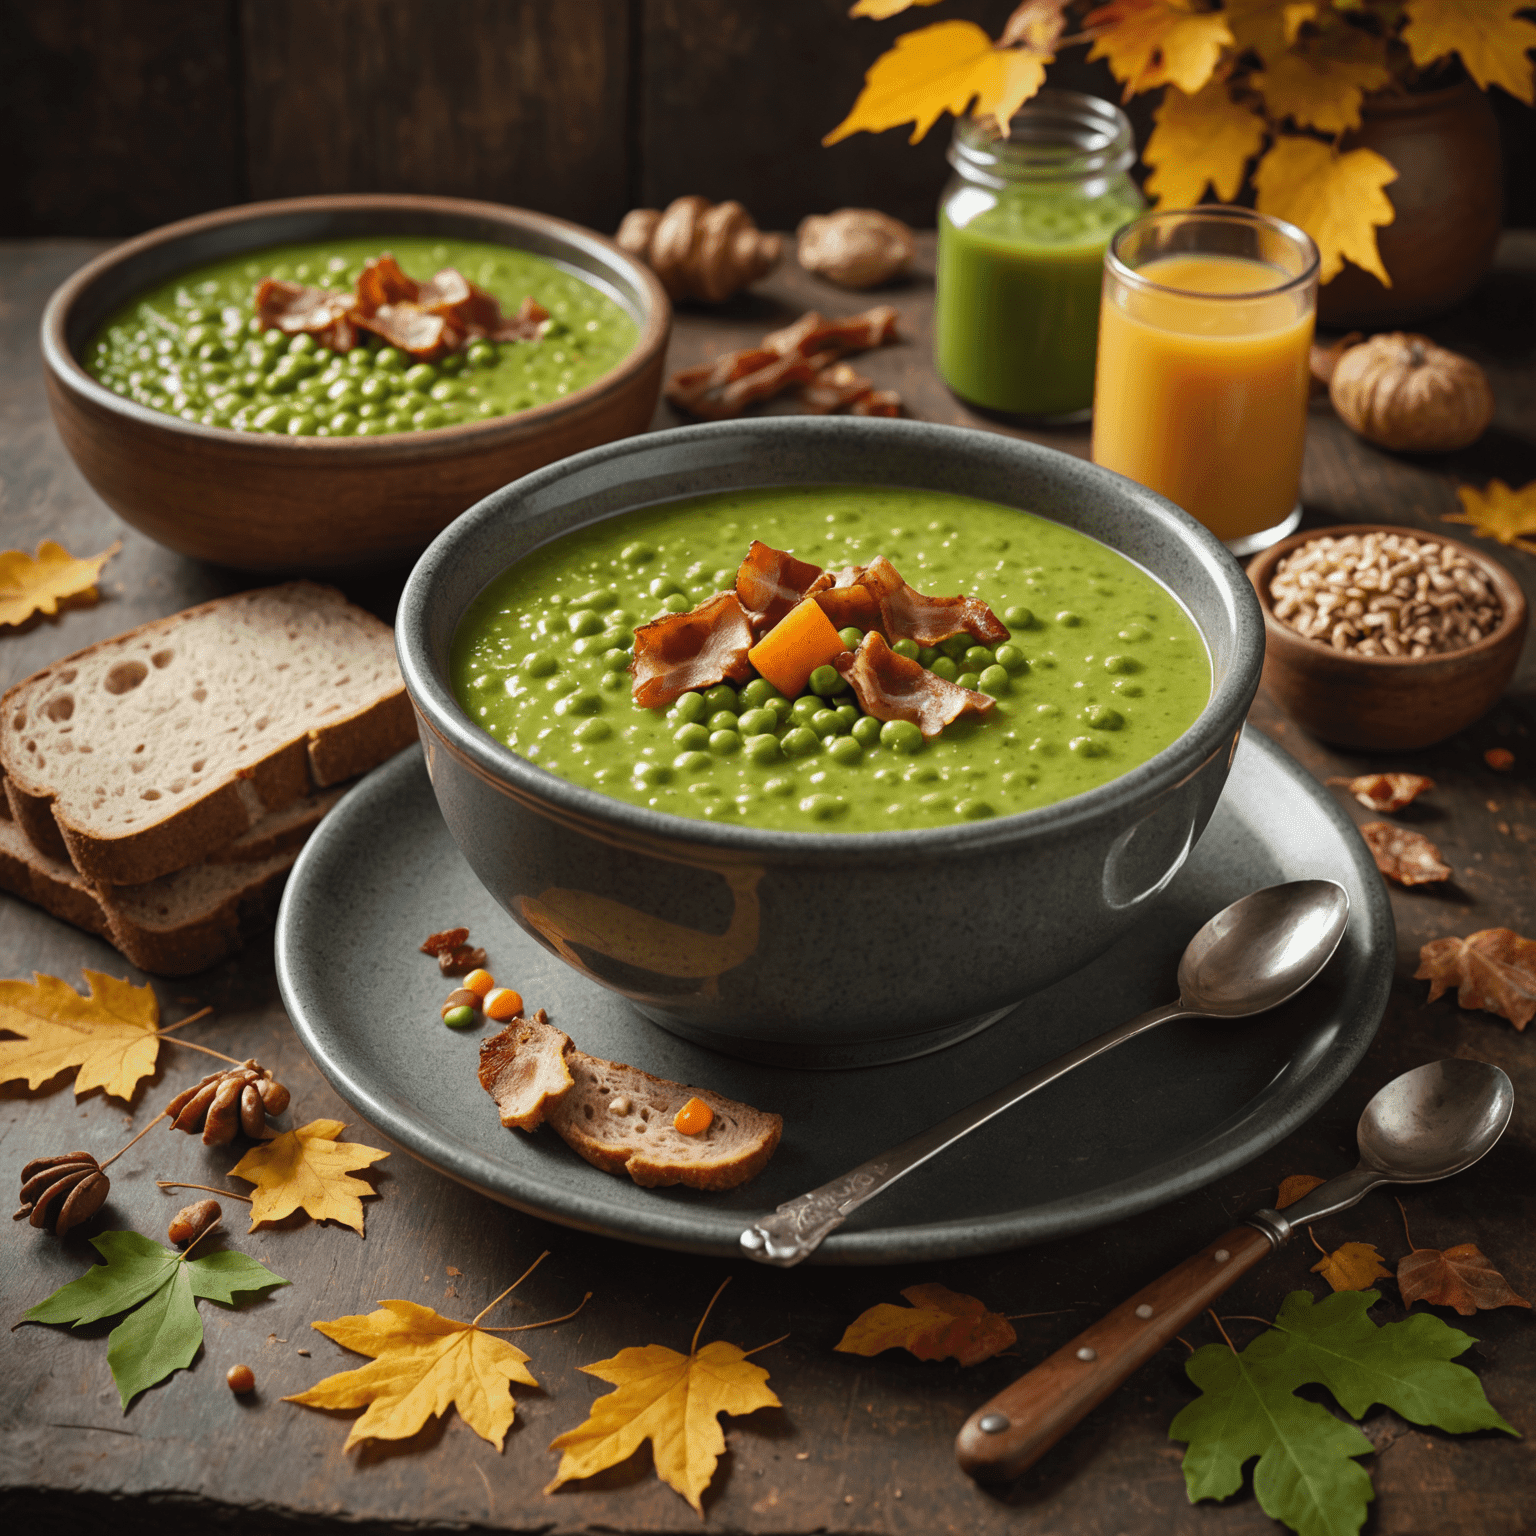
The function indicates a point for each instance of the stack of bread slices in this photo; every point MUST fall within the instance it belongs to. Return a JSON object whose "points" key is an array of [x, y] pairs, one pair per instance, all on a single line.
{"points": [[158, 786]]}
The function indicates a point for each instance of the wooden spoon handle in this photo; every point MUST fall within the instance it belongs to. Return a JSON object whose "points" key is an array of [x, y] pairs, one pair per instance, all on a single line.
{"points": [[1024, 1421]]}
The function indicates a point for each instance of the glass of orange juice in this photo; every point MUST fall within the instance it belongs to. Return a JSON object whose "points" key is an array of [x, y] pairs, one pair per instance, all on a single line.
{"points": [[1205, 323]]}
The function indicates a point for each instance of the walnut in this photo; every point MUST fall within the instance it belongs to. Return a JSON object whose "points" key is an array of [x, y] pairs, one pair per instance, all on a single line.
{"points": [[699, 249], [1406, 393], [855, 247]]}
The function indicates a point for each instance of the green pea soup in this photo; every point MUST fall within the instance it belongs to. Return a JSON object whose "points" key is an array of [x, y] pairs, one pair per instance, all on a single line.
{"points": [[1103, 669], [194, 348]]}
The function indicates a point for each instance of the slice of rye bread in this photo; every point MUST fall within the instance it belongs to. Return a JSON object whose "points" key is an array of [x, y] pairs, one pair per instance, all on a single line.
{"points": [[182, 922], [145, 754], [619, 1118]]}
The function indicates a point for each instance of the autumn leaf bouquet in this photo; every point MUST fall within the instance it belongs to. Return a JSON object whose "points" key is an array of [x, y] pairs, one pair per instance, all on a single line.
{"points": [[1267, 84]]}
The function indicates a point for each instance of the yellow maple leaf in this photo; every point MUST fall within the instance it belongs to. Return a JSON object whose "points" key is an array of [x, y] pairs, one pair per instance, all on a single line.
{"points": [[423, 1364], [1499, 513], [1152, 42], [1200, 140], [1294, 16], [1489, 35], [308, 1167], [883, 10], [942, 68], [672, 1400], [940, 1324], [37, 584], [1264, 27], [111, 1035], [1337, 199], [1320, 90], [1353, 1267]]}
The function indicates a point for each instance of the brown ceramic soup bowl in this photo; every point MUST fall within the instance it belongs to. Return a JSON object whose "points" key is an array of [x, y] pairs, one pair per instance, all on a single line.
{"points": [[274, 503], [1389, 703]]}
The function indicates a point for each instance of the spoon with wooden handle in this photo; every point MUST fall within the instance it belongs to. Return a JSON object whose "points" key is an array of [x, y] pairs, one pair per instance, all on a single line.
{"points": [[1427, 1124]]}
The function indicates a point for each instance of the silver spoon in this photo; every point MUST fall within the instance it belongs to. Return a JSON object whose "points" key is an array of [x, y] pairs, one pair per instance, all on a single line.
{"points": [[1427, 1124], [1247, 959]]}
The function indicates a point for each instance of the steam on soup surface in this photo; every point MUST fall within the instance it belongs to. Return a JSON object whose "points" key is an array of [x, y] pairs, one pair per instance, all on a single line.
{"points": [[1103, 668]]}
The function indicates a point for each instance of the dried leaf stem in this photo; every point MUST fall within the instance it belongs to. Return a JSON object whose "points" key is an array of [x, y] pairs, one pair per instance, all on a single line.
{"points": [[142, 1134], [475, 1321], [176, 1184]]}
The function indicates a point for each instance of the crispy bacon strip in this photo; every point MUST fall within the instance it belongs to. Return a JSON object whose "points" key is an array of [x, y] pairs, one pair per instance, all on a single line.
{"points": [[853, 333], [878, 402], [770, 582], [423, 336], [682, 651], [875, 596], [294, 308], [849, 602], [893, 687], [440, 315]]}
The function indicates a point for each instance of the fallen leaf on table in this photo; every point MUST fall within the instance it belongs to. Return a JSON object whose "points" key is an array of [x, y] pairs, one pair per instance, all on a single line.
{"points": [[163, 1332], [1403, 855], [1338, 199], [1459, 1277], [672, 1400], [940, 1324], [1352, 1267], [422, 1364], [1499, 513], [1489, 36], [1306, 1473], [308, 1167], [942, 68], [1202, 140], [1293, 1188], [1494, 970], [1151, 42], [1385, 793], [31, 585], [111, 1035]]}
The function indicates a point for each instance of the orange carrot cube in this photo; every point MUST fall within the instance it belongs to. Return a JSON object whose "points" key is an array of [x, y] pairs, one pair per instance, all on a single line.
{"points": [[801, 641]]}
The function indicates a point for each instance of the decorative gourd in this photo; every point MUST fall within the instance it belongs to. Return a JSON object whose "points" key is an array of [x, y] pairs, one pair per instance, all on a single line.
{"points": [[855, 247], [1404, 392], [699, 249]]}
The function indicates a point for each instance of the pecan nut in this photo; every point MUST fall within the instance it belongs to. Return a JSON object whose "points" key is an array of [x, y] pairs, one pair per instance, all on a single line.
{"points": [[61, 1192], [236, 1099]]}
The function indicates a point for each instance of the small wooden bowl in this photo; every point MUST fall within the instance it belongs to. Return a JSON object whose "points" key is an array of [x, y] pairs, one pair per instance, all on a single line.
{"points": [[269, 503], [1387, 702]]}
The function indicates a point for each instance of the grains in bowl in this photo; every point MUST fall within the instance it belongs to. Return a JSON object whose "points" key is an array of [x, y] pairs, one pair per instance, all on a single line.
{"points": [[1385, 594]]}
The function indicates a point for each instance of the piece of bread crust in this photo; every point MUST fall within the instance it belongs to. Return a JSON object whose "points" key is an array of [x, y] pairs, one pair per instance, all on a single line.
{"points": [[55, 885], [642, 1141], [197, 726], [523, 1069]]}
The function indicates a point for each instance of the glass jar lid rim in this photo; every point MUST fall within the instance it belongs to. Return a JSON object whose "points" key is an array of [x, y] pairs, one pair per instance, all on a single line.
{"points": [[1214, 213], [1056, 134]]}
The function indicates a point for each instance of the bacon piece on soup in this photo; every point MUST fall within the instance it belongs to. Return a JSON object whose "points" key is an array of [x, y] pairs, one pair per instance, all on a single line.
{"points": [[437, 316], [528, 324], [848, 601], [683, 651], [894, 687], [771, 582], [425, 337], [295, 309], [382, 282], [908, 615]]}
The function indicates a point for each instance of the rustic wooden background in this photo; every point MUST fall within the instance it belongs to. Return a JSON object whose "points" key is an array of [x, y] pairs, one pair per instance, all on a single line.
{"points": [[119, 115]]}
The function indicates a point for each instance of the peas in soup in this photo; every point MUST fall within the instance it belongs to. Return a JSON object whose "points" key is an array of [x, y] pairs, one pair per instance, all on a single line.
{"points": [[195, 348], [1102, 669]]}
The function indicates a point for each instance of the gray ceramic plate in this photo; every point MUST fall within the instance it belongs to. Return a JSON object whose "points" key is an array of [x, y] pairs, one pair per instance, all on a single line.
{"points": [[1161, 1116]]}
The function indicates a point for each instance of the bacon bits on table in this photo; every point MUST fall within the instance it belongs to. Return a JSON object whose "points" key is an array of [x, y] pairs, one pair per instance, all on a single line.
{"points": [[236, 1099], [61, 1192], [444, 942], [1385, 793], [683, 651], [804, 353], [892, 687], [1407, 857]]}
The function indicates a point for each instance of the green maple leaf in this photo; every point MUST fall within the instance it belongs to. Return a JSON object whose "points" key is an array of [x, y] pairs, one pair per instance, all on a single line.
{"points": [[162, 1332], [1306, 1473]]}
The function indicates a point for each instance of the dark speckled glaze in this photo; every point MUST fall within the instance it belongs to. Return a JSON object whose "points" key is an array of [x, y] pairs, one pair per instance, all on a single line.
{"points": [[830, 949]]}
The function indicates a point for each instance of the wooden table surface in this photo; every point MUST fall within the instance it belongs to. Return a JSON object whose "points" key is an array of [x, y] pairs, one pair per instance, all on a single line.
{"points": [[859, 1445]]}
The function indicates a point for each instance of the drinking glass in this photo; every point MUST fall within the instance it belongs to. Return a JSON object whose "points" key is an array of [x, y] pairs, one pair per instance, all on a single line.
{"points": [[1205, 324]]}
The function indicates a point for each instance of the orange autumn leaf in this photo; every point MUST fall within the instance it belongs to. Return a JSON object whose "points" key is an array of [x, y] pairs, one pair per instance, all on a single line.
{"points": [[38, 584], [1385, 793], [942, 68], [1202, 140], [940, 1324], [1316, 89], [1293, 1188], [1499, 513], [1494, 970], [1403, 855], [111, 1036], [1352, 1267], [1338, 199], [883, 10], [1490, 37], [672, 1400], [308, 1168], [1155, 42], [1459, 1277]]}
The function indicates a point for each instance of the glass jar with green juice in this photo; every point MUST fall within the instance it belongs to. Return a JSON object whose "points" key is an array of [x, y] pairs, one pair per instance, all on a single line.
{"points": [[1023, 226]]}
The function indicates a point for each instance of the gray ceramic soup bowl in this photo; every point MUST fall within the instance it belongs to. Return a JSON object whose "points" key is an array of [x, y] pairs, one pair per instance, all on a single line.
{"points": [[822, 949]]}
